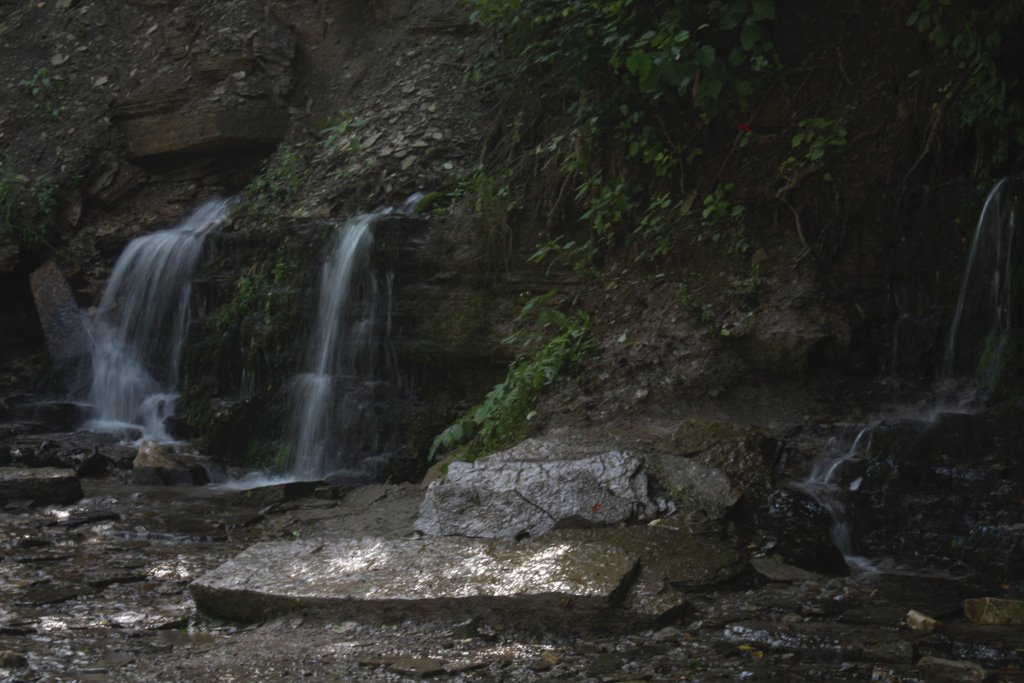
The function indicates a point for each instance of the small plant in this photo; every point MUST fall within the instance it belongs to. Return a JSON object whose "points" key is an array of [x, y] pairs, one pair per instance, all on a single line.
{"points": [[343, 133], [41, 87], [28, 208], [816, 139], [277, 185], [500, 418]]}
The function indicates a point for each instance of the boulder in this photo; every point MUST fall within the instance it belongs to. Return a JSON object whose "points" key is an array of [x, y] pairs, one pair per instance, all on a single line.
{"points": [[995, 611], [706, 466], [378, 579], [534, 487], [60, 318], [41, 485], [696, 487], [158, 465], [797, 529]]}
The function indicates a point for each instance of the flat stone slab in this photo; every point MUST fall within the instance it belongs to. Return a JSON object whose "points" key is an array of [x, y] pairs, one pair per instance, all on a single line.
{"points": [[672, 556], [41, 485], [535, 487], [440, 577]]}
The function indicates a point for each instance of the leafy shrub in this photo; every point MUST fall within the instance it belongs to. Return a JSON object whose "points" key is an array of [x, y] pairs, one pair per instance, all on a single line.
{"points": [[983, 41], [28, 208], [627, 68], [498, 420]]}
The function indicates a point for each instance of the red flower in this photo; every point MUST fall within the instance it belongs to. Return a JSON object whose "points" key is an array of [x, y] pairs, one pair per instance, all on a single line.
{"points": [[744, 128]]}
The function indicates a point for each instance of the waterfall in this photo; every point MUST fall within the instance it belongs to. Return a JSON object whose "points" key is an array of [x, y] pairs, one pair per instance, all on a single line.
{"points": [[336, 424], [138, 332], [821, 485], [983, 324]]}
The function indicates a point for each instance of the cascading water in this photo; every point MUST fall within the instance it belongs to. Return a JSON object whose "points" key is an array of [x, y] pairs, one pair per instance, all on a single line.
{"points": [[139, 329], [983, 324], [335, 425], [822, 484], [979, 347]]}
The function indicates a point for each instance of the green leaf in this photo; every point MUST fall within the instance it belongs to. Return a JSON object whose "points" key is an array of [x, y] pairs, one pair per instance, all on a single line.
{"points": [[749, 36], [763, 9]]}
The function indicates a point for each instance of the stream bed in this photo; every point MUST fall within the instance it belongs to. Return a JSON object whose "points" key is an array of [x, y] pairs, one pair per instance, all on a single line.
{"points": [[98, 591]]}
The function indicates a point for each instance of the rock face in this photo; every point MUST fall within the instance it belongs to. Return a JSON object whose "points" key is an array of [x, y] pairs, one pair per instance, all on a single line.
{"points": [[193, 130], [41, 486], [535, 487], [373, 578], [158, 465]]}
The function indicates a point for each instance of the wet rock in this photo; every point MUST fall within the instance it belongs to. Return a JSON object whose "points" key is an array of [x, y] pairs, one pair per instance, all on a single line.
{"points": [[673, 556], [743, 454], [995, 611], [941, 670], [672, 561], [96, 465], [376, 579], [41, 486], [696, 487], [12, 660], [773, 570], [419, 667], [57, 415], [895, 651], [158, 465], [799, 531], [534, 487]]}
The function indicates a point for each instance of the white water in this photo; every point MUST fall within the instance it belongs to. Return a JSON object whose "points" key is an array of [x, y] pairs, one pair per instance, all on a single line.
{"points": [[976, 350], [983, 322], [345, 346], [821, 485], [138, 332]]}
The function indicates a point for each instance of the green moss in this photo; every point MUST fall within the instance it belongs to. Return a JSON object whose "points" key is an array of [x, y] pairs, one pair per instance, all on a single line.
{"points": [[239, 358]]}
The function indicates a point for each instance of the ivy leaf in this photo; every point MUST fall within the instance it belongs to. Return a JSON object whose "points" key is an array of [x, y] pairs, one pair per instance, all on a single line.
{"points": [[749, 36]]}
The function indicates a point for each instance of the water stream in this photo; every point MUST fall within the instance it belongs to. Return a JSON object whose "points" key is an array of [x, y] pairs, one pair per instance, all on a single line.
{"points": [[978, 349], [983, 324], [336, 427], [138, 331]]}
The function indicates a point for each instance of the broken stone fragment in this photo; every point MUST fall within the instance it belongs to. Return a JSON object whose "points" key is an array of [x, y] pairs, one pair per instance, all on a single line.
{"points": [[922, 622], [995, 611]]}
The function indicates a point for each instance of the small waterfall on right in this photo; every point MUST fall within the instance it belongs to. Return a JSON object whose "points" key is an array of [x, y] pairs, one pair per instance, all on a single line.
{"points": [[980, 342], [980, 353], [342, 403]]}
